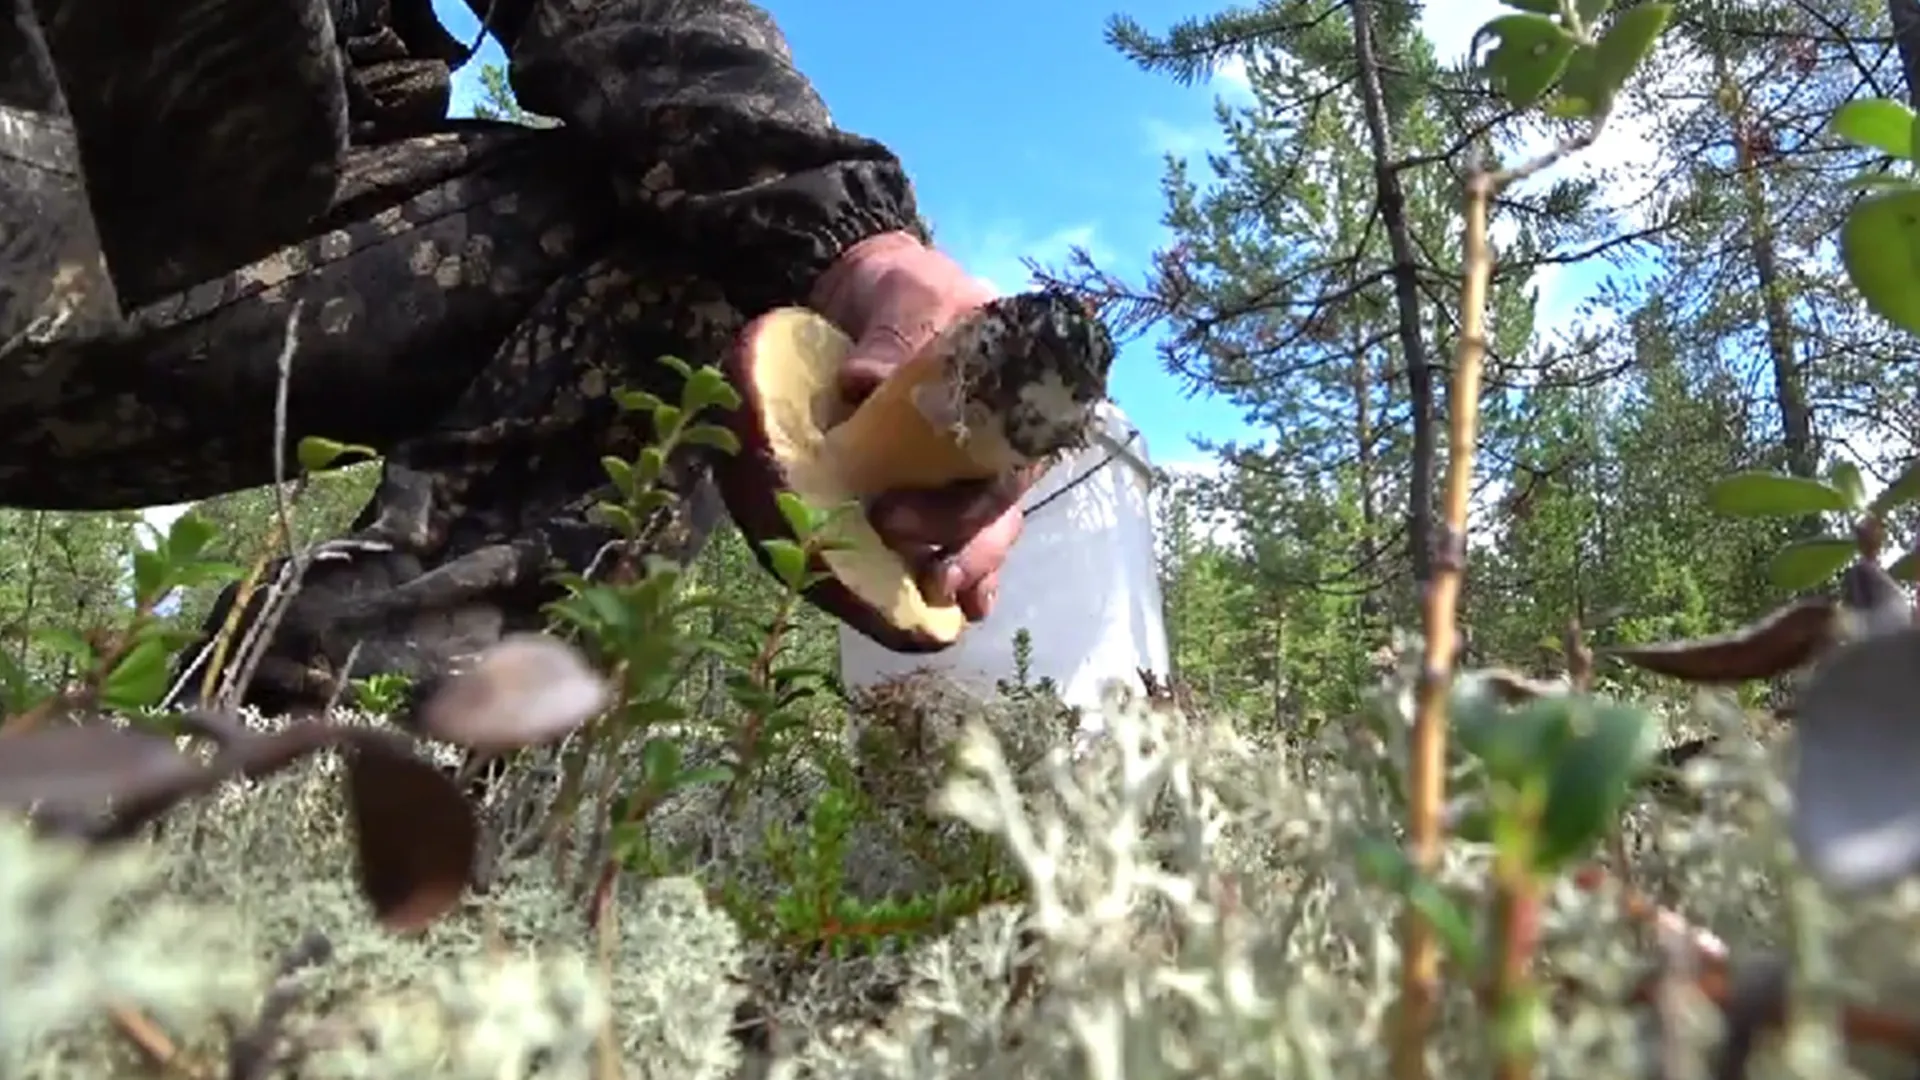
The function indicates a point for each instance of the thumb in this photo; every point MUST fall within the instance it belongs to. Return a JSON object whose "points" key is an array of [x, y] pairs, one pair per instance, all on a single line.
{"points": [[871, 361]]}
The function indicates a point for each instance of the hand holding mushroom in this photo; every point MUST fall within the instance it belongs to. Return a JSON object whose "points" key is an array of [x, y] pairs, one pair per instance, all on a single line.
{"points": [[906, 385]]}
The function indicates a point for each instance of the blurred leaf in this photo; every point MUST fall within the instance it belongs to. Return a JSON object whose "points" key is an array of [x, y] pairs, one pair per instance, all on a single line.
{"points": [[1625, 46], [1388, 866], [1847, 481], [804, 520], [1531, 54], [1906, 567], [712, 435], [788, 560], [636, 400], [1514, 744], [66, 643], [1904, 489], [1596, 768], [620, 471], [1806, 563], [617, 518], [1879, 242], [1876, 124], [316, 454], [149, 574], [188, 537], [1592, 11], [139, 679], [1764, 494]]}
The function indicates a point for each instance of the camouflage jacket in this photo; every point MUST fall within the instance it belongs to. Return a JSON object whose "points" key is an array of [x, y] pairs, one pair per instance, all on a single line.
{"points": [[235, 152]]}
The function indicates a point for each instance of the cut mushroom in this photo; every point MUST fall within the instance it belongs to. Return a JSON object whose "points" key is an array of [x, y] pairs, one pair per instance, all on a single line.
{"points": [[1013, 384]]}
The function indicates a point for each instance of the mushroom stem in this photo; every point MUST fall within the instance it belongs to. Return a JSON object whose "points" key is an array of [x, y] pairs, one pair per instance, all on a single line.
{"points": [[891, 443]]}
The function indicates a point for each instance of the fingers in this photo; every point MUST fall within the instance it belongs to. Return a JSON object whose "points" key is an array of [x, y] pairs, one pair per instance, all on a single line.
{"points": [[944, 518], [971, 576]]}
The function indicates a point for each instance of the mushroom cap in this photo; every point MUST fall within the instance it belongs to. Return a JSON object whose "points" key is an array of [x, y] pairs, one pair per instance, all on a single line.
{"points": [[786, 367]]}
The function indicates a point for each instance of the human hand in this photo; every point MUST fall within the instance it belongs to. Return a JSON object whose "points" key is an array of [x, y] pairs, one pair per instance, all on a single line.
{"points": [[892, 295]]}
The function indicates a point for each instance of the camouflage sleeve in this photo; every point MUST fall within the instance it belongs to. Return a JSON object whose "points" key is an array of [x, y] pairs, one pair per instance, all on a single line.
{"points": [[732, 151]]}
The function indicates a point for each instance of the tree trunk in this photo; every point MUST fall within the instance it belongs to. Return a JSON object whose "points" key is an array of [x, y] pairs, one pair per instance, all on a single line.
{"points": [[1406, 294]]}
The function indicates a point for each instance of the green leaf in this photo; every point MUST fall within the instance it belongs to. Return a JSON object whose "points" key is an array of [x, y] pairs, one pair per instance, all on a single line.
{"points": [[67, 643], [712, 774], [1531, 55], [1876, 124], [1764, 494], [1610, 744], [620, 471], [1846, 479], [788, 559], [1592, 11], [712, 435], [1904, 489], [801, 518], [1806, 563], [615, 517], [139, 679], [660, 762], [667, 420], [707, 388], [1595, 73], [1516, 745], [1538, 7], [1387, 865], [208, 572], [188, 537], [1626, 46], [680, 367], [1906, 567], [649, 465], [316, 453], [1880, 245], [636, 400], [150, 573]]}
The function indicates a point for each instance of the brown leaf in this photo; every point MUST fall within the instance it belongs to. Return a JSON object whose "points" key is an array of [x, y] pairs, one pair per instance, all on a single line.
{"points": [[525, 690], [78, 770], [416, 835], [1784, 640]]}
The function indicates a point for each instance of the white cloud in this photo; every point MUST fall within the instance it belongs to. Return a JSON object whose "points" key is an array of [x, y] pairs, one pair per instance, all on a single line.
{"points": [[1233, 78], [1183, 141], [995, 256]]}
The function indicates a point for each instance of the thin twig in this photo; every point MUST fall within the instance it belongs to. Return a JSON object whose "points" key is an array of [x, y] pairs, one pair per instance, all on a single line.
{"points": [[1419, 973], [607, 932], [154, 1044], [283, 390]]}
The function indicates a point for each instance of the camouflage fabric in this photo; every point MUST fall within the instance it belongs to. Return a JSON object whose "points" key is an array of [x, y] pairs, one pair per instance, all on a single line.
{"points": [[463, 296], [53, 280]]}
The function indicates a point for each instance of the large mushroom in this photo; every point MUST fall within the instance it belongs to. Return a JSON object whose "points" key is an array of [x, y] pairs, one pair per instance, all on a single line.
{"points": [[1012, 385]]}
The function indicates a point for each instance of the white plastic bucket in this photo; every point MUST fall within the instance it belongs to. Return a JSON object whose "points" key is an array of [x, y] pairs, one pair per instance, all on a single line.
{"points": [[1082, 580]]}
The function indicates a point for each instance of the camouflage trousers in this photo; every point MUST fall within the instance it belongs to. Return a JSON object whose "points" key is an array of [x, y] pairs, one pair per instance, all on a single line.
{"points": [[463, 303]]}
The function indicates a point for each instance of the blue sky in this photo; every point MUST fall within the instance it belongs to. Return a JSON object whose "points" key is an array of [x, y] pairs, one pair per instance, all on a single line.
{"points": [[1025, 133]]}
